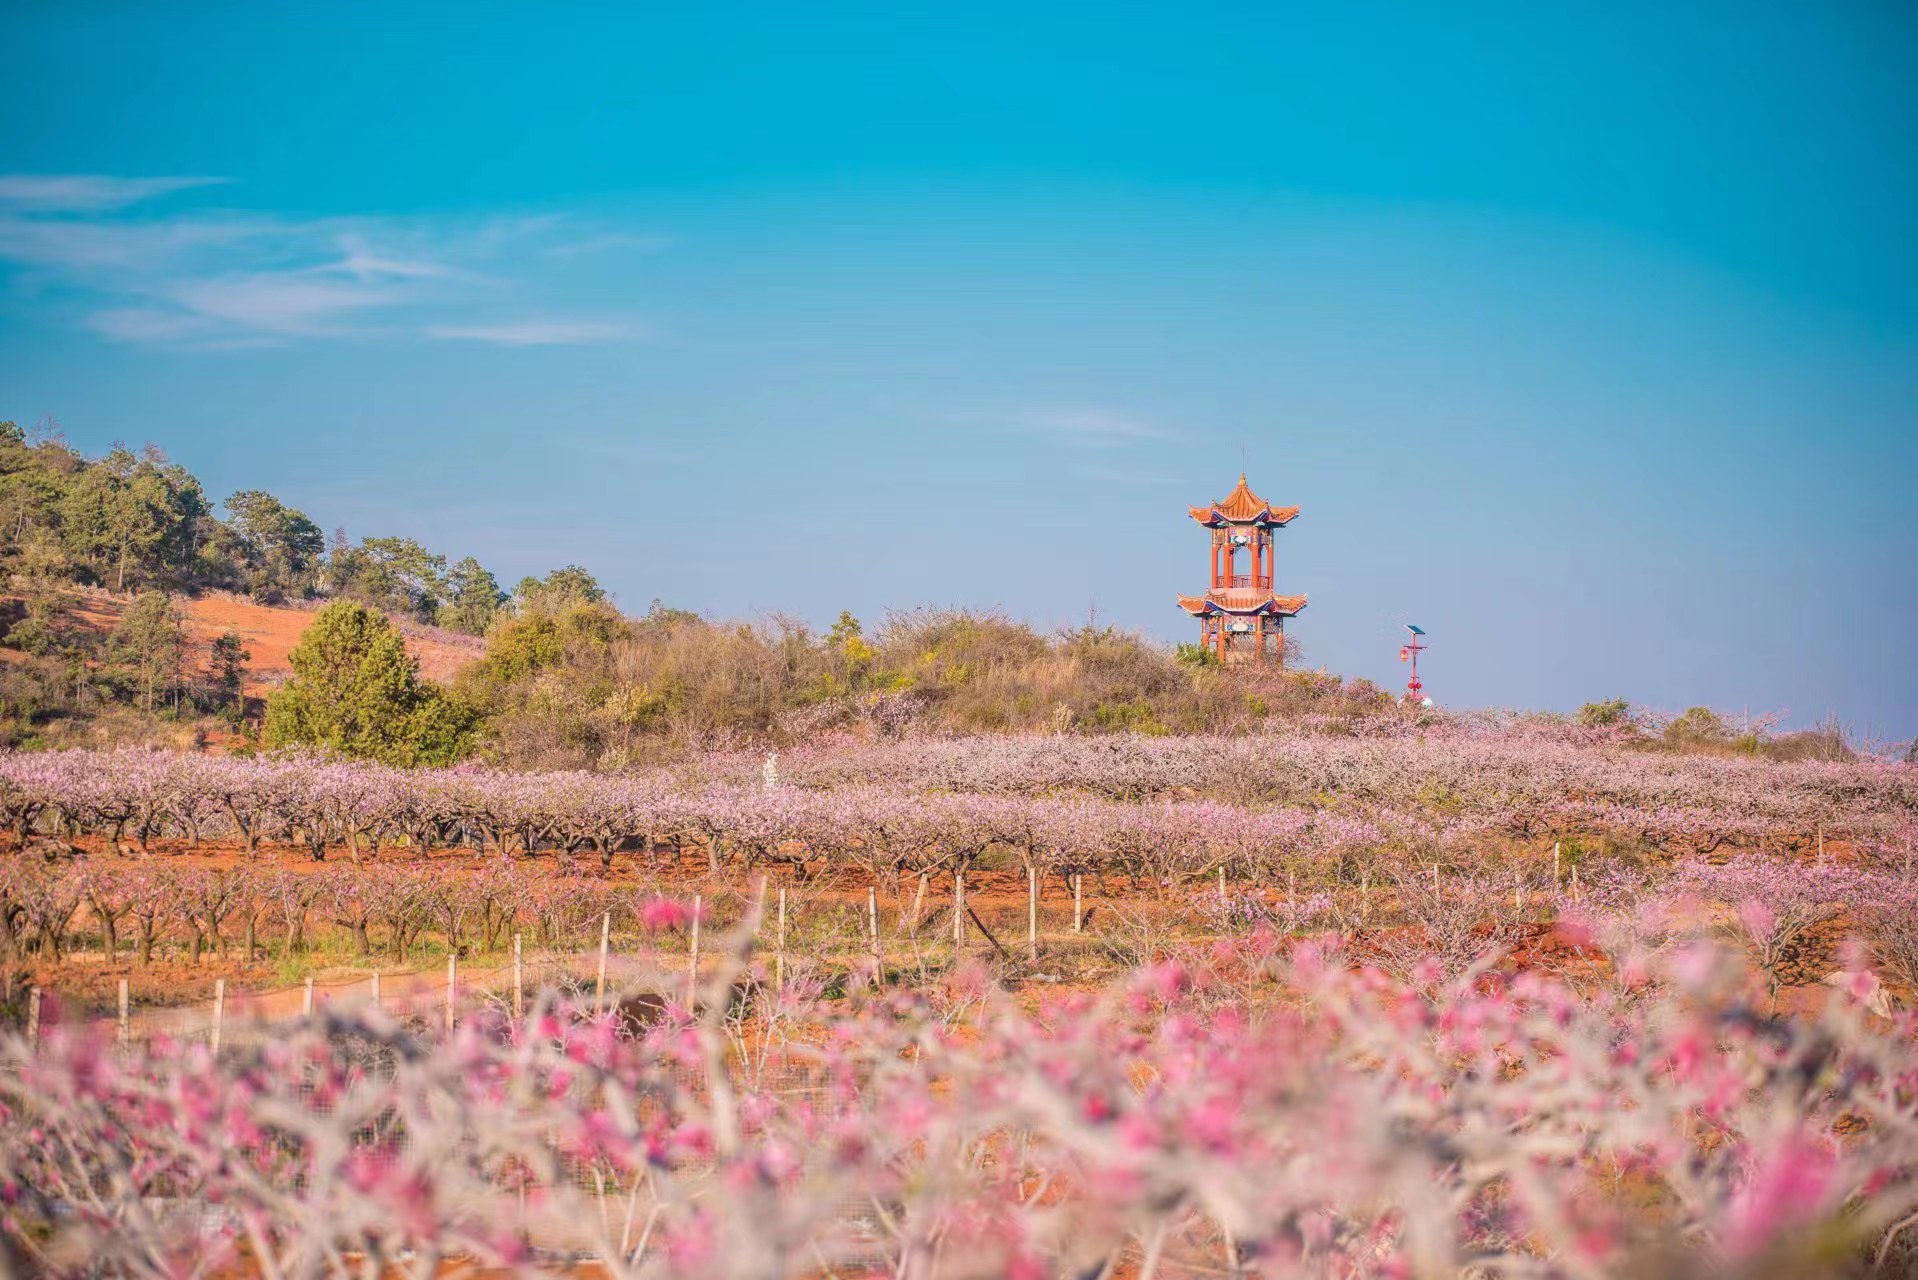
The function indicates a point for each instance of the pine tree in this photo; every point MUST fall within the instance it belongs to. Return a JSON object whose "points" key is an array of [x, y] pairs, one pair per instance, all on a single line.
{"points": [[149, 642], [226, 674], [356, 691]]}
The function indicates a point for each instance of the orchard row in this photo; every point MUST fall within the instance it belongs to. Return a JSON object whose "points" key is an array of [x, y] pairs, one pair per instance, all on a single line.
{"points": [[1162, 812]]}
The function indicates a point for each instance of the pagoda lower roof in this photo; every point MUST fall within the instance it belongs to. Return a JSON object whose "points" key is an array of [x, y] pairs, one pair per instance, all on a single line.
{"points": [[1241, 600]]}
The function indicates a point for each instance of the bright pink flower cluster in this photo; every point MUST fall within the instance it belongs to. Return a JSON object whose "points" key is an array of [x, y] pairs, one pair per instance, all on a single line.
{"points": [[1333, 1122]]}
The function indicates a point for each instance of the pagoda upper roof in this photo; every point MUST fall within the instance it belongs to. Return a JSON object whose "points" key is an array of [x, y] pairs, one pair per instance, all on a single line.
{"points": [[1241, 600], [1242, 506]]}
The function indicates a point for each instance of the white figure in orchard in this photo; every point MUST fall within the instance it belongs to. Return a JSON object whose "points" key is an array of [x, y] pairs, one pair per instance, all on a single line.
{"points": [[770, 770]]}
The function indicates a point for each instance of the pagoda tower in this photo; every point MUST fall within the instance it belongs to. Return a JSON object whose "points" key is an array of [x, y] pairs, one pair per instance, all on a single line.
{"points": [[1238, 612]]}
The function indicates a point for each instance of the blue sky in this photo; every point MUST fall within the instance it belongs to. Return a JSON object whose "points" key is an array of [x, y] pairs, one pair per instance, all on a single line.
{"points": [[1584, 335]]}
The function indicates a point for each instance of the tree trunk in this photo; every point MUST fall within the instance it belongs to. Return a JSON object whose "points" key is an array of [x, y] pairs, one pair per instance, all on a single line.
{"points": [[247, 833]]}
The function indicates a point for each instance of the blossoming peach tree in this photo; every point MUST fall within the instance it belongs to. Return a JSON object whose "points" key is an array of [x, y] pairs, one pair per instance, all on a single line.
{"points": [[1249, 1110]]}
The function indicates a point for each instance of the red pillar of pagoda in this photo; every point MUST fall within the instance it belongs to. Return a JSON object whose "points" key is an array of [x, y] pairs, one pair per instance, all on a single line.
{"points": [[1240, 619]]}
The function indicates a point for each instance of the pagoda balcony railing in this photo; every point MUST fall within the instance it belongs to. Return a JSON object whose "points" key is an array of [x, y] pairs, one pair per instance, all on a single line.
{"points": [[1245, 580]]}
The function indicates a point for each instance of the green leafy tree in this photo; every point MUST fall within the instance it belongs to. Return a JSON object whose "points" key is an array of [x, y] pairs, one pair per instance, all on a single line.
{"points": [[33, 482], [226, 674], [557, 591], [132, 521], [1697, 726], [189, 513], [149, 643], [395, 574], [356, 691], [849, 657], [42, 629], [279, 544], [116, 516], [129, 521], [525, 647], [1611, 711], [473, 598], [661, 616]]}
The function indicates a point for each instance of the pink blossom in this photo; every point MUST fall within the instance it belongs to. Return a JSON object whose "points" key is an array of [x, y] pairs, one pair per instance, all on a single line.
{"points": [[1787, 1186], [660, 914]]}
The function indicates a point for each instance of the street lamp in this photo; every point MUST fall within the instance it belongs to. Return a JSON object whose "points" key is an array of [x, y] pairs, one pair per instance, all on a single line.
{"points": [[1409, 652]]}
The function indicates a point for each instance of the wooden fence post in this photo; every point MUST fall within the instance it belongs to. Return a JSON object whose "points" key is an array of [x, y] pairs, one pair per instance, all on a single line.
{"points": [[1222, 898], [958, 911], [1032, 913], [1555, 879], [33, 1017], [306, 998], [692, 961], [779, 956], [605, 941], [1078, 902], [1574, 882], [121, 1035], [872, 928], [911, 922], [452, 979], [1365, 895], [219, 1011], [519, 983]]}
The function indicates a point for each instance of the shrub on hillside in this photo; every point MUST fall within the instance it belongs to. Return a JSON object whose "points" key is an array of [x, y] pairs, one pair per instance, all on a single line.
{"points": [[356, 691], [585, 686], [1600, 715]]}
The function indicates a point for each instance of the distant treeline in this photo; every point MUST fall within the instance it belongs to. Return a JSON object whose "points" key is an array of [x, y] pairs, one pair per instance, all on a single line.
{"points": [[134, 522], [565, 680], [142, 526]]}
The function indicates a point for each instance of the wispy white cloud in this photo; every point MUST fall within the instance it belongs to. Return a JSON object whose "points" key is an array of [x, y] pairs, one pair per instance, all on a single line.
{"points": [[608, 243], [1090, 423], [1119, 476], [119, 246], [87, 192], [207, 277], [548, 332], [1086, 425], [146, 324], [359, 260], [280, 303]]}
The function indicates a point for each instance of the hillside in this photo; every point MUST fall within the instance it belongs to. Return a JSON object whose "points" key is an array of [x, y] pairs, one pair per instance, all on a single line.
{"points": [[269, 632]]}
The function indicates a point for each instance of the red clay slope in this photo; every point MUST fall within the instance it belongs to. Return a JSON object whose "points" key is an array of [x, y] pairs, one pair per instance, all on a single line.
{"points": [[270, 634]]}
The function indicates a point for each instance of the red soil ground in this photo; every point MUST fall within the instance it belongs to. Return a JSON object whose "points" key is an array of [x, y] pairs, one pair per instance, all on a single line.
{"points": [[87, 982], [270, 634]]}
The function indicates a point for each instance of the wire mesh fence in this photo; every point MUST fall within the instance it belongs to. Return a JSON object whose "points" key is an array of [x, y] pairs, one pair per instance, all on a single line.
{"points": [[443, 996]]}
